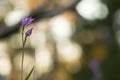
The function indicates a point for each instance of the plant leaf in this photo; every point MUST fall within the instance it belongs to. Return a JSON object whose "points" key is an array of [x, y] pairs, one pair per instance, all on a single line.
{"points": [[28, 76]]}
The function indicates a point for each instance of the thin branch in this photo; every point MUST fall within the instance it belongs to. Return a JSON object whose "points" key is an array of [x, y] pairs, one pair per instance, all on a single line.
{"points": [[37, 14]]}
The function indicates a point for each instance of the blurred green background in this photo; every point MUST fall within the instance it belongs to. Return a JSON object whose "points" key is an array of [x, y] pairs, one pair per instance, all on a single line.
{"points": [[80, 43]]}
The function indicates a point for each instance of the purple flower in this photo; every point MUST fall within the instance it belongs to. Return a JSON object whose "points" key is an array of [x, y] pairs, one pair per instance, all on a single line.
{"points": [[27, 21], [29, 32], [94, 65]]}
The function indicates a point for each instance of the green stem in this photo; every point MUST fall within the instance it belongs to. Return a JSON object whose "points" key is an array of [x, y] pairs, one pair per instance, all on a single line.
{"points": [[23, 27], [23, 44], [34, 67]]}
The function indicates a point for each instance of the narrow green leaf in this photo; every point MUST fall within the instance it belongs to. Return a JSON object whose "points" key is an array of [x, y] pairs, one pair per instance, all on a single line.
{"points": [[28, 76]]}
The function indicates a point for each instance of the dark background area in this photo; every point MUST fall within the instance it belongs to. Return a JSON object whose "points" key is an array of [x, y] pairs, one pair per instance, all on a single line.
{"points": [[98, 39]]}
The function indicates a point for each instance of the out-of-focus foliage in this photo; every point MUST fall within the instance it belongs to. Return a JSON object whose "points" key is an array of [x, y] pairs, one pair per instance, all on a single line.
{"points": [[79, 44]]}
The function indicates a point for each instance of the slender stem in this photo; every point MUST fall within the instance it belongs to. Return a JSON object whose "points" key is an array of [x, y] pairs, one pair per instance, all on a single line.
{"points": [[23, 44], [24, 41], [23, 27], [34, 66]]}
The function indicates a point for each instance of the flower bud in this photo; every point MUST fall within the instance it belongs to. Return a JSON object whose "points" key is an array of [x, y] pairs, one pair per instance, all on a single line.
{"points": [[27, 21], [29, 32]]}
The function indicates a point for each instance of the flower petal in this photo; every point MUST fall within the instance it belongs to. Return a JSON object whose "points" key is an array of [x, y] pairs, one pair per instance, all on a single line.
{"points": [[29, 32], [27, 21]]}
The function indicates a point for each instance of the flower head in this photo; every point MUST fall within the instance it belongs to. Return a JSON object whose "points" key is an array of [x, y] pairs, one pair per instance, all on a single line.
{"points": [[94, 65], [27, 21], [29, 32]]}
